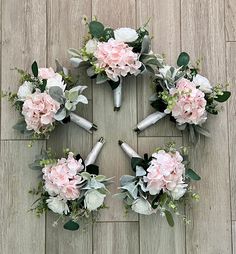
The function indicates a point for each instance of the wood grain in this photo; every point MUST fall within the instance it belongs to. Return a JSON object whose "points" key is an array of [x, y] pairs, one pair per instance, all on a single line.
{"points": [[231, 78], [203, 36], [65, 30], [230, 20], [21, 231], [116, 238], [156, 236], [115, 125], [164, 26], [234, 236], [23, 41]]}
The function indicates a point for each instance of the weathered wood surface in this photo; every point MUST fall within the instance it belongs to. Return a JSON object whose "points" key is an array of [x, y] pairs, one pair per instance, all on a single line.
{"points": [[43, 31]]}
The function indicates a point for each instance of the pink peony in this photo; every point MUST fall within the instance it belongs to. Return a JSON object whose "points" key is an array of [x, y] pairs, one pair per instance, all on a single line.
{"points": [[165, 172], [46, 73], [117, 58], [39, 110], [190, 105], [62, 179]]}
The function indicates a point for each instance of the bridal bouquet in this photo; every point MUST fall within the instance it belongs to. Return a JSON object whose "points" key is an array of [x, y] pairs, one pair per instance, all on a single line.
{"points": [[160, 184], [110, 55], [70, 186], [186, 96], [46, 97]]}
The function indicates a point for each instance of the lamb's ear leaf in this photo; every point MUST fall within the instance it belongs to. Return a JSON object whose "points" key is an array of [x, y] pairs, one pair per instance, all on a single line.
{"points": [[136, 161], [92, 169], [224, 97], [71, 225], [183, 59], [35, 69], [169, 218]]}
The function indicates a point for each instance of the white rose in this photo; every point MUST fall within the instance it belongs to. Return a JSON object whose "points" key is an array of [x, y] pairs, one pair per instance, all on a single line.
{"points": [[91, 46], [25, 90], [93, 199], [203, 83], [57, 205], [142, 206], [56, 81], [179, 191], [125, 34]]}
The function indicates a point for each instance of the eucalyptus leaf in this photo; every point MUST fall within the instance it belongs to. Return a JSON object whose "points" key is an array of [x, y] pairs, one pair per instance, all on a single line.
{"points": [[224, 97], [192, 175], [35, 69], [169, 218], [183, 59], [71, 225], [20, 126], [101, 78], [96, 29]]}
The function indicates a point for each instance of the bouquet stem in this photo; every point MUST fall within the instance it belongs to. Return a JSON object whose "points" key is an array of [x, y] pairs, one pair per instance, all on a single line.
{"points": [[91, 158], [149, 120], [117, 96], [82, 122], [128, 150]]}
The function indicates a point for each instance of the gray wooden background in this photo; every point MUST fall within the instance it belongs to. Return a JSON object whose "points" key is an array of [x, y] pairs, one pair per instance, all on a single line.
{"points": [[43, 30]]}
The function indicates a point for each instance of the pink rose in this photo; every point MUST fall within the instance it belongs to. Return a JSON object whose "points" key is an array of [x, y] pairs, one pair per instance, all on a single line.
{"points": [[46, 73], [190, 106], [165, 172], [62, 179], [117, 58], [39, 110]]}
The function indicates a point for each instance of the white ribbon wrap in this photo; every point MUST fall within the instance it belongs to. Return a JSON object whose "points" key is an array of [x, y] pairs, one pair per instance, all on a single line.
{"points": [[128, 150], [91, 158], [150, 120], [82, 122], [117, 96]]}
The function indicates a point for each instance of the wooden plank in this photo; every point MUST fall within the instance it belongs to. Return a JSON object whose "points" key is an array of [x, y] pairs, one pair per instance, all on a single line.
{"points": [[164, 26], [116, 238], [21, 230], [203, 36], [23, 41], [234, 236], [231, 77], [230, 20], [115, 125], [156, 236], [65, 30]]}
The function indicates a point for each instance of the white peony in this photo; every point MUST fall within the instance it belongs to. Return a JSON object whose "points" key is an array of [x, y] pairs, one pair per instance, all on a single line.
{"points": [[203, 83], [25, 90], [142, 206], [93, 199], [56, 81], [179, 191], [91, 46], [57, 205], [125, 34]]}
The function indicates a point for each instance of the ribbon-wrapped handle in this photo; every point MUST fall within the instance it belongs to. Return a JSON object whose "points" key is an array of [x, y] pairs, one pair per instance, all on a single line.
{"points": [[82, 122], [128, 150], [149, 120], [91, 158], [117, 96]]}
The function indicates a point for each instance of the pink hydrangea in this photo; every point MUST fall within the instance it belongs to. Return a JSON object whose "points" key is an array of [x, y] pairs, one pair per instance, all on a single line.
{"points": [[165, 172], [117, 58], [46, 73], [62, 179], [39, 110], [190, 106]]}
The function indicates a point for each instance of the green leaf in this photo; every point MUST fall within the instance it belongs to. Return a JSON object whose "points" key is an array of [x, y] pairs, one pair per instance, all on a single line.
{"points": [[91, 72], [146, 45], [92, 169], [96, 29], [35, 69], [224, 97], [71, 225], [155, 202], [108, 33], [101, 78], [192, 175], [113, 84], [56, 93], [169, 218], [136, 161], [183, 59], [72, 96]]}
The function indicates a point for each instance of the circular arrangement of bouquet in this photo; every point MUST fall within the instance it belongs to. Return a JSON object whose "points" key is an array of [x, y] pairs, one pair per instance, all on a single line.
{"points": [[70, 186], [46, 97], [186, 96], [161, 182], [110, 55]]}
